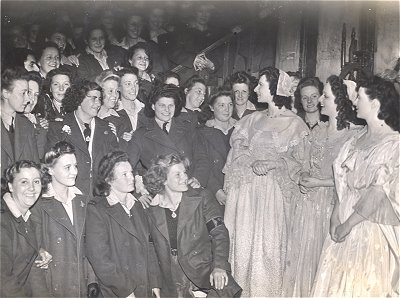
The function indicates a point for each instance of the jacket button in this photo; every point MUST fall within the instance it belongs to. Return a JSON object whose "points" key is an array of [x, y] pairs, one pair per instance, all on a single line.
{"points": [[195, 252]]}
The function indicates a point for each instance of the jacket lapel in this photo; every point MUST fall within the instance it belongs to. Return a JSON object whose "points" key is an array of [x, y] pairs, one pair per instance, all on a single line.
{"points": [[20, 137], [155, 134], [187, 207], [57, 212], [79, 207], [177, 131], [76, 135], [6, 143], [118, 214], [157, 216], [25, 230]]}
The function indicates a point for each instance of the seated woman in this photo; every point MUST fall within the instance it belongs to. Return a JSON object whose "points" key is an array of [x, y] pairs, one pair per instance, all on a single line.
{"points": [[48, 58], [188, 232], [91, 136], [98, 56], [312, 219], [306, 101], [261, 182], [216, 132], [118, 234], [242, 86], [50, 102], [21, 57], [166, 133], [59, 218], [360, 257], [140, 56], [168, 77], [19, 246]]}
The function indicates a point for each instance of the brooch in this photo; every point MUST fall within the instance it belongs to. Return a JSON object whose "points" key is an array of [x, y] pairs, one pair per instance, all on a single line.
{"points": [[66, 129]]}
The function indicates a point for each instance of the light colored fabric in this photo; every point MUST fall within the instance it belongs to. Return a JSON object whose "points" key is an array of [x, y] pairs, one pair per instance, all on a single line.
{"points": [[14, 209], [312, 216], [258, 207], [213, 123], [112, 199], [284, 84], [110, 112], [100, 57], [133, 115], [366, 264], [92, 128]]}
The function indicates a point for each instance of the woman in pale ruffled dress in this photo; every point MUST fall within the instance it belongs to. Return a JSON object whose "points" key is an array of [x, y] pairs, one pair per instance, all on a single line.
{"points": [[312, 220], [261, 182], [361, 256]]}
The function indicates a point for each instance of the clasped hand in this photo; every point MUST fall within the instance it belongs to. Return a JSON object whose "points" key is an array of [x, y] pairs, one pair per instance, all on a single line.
{"points": [[201, 62], [262, 167], [43, 260]]}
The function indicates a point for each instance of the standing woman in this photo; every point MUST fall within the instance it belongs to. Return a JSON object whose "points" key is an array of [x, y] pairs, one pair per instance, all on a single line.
{"points": [[360, 258], [243, 89], [118, 233], [312, 219], [306, 101], [91, 136], [60, 226], [261, 181], [189, 235], [216, 133], [19, 246]]}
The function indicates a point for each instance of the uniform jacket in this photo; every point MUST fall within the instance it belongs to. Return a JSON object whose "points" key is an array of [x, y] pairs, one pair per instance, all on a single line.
{"points": [[119, 250], [89, 68], [69, 273], [25, 143], [217, 146], [199, 250], [150, 141], [19, 249], [104, 141]]}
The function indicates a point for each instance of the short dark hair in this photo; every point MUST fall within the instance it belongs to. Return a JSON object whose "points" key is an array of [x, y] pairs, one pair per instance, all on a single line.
{"points": [[14, 169], [34, 76], [17, 57], [143, 46], [105, 172], [156, 175], [165, 90], [77, 93], [385, 92], [190, 82], [306, 82], [128, 70], [10, 75], [344, 106], [43, 46], [206, 112], [94, 26], [272, 75]]}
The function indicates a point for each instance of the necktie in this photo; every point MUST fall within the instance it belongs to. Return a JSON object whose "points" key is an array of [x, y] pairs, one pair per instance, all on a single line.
{"points": [[11, 127], [87, 132], [164, 127]]}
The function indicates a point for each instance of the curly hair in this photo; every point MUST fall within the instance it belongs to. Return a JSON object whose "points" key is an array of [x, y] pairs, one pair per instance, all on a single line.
{"points": [[52, 155], [77, 93], [34, 76], [17, 57], [106, 171], [165, 90], [146, 48], [52, 73], [95, 26], [157, 174], [128, 70], [272, 75], [13, 170], [242, 77], [344, 106], [206, 112], [162, 77], [45, 45], [385, 92], [306, 82], [10, 75]]}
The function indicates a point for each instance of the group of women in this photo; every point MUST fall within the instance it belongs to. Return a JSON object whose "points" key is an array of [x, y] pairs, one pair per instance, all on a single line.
{"points": [[120, 183]]}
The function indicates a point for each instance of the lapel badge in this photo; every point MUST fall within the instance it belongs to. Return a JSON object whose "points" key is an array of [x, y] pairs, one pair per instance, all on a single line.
{"points": [[82, 204]]}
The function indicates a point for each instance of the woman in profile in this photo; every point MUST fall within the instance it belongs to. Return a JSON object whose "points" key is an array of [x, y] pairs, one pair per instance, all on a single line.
{"points": [[261, 181], [360, 257]]}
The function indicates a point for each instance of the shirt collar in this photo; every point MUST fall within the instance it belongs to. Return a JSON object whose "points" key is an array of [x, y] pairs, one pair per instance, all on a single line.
{"points": [[138, 106], [161, 123], [213, 123], [14, 209], [110, 112], [159, 200], [72, 192], [112, 199]]}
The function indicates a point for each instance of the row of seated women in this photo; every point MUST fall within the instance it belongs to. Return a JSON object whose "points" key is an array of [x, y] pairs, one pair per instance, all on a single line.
{"points": [[311, 210]]}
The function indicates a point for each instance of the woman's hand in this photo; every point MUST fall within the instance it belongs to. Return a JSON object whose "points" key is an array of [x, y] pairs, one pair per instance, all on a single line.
{"points": [[342, 231], [74, 60], [156, 292], [221, 197], [262, 167], [145, 199], [127, 136], [335, 222], [113, 128], [45, 259], [131, 295], [310, 182], [194, 183], [218, 278]]}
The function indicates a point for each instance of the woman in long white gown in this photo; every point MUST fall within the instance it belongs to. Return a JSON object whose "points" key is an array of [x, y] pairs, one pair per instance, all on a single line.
{"points": [[261, 182], [361, 256]]}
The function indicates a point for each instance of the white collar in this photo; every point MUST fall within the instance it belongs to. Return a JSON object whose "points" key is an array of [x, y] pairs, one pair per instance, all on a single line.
{"points": [[72, 192], [110, 112], [112, 199], [213, 123], [14, 209], [159, 200]]}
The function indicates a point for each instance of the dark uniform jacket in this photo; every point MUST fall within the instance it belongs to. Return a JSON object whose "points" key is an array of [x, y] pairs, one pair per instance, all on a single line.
{"points": [[202, 239], [119, 249], [104, 141]]}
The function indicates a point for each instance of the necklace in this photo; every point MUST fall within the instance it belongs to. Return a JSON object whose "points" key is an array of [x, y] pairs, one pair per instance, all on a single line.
{"points": [[173, 214]]}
